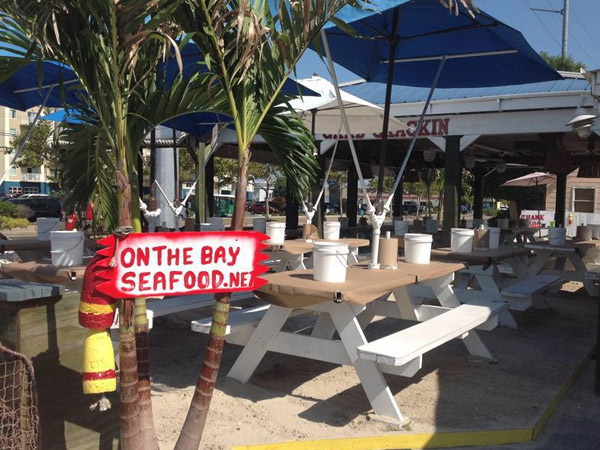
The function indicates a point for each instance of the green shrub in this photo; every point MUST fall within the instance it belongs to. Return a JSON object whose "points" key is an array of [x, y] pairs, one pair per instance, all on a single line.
{"points": [[8, 209], [8, 223], [24, 212]]}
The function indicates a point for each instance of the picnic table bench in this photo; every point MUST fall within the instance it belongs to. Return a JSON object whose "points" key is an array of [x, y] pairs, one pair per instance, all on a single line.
{"points": [[557, 257], [346, 308]]}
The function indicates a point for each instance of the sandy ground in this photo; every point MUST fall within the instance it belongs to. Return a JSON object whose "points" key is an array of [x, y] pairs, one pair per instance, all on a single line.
{"points": [[292, 399]]}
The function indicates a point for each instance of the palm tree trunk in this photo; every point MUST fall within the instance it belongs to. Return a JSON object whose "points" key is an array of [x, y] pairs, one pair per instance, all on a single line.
{"points": [[141, 330], [193, 427], [128, 366]]}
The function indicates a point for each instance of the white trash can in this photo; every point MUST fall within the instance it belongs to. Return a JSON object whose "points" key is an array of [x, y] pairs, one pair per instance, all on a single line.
{"points": [[276, 233], [417, 248], [330, 260], [66, 248], [461, 240], [557, 235], [45, 225], [494, 237], [259, 224], [400, 227], [331, 230], [431, 226]]}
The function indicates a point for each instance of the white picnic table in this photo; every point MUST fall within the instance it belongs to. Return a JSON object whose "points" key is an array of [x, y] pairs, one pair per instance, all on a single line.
{"points": [[482, 274], [557, 257], [346, 308], [518, 235], [290, 255]]}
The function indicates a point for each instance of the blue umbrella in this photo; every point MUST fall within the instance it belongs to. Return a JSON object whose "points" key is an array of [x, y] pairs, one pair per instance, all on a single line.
{"points": [[430, 47], [31, 84], [192, 60], [420, 43]]}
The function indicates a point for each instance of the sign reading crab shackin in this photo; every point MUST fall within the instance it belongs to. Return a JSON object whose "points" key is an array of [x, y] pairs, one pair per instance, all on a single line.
{"points": [[158, 264]]}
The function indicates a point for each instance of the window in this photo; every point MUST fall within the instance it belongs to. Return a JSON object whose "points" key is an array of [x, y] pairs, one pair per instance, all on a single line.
{"points": [[584, 199], [31, 116], [31, 190], [15, 190], [13, 132], [13, 171], [13, 113]]}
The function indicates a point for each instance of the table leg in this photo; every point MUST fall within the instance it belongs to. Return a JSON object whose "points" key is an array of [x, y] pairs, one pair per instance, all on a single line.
{"points": [[541, 259], [519, 267], [353, 255], [378, 392], [324, 328], [445, 294], [258, 344]]}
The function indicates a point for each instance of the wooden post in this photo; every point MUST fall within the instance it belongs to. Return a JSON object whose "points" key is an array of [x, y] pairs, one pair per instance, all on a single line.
{"points": [[561, 198], [398, 197], [210, 185], [321, 206], [201, 151], [478, 174], [352, 203], [291, 212], [453, 167]]}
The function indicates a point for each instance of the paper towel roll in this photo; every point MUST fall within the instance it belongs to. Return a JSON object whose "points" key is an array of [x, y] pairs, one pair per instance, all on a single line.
{"points": [[388, 253], [481, 239]]}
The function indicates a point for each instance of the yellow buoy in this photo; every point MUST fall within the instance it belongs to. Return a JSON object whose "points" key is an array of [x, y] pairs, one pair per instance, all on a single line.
{"points": [[98, 363]]}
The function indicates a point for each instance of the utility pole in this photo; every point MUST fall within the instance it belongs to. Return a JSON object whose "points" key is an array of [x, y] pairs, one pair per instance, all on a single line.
{"points": [[565, 32]]}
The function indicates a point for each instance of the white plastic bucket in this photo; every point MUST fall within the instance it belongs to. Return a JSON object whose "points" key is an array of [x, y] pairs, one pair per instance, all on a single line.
{"points": [[494, 237], [595, 231], [431, 226], [557, 235], [259, 224], [331, 230], [417, 248], [66, 248], [276, 233], [400, 227], [45, 225], [216, 223], [461, 240], [330, 260], [503, 223]]}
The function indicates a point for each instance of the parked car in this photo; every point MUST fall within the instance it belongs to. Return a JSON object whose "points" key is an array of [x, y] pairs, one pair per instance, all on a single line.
{"points": [[41, 206], [410, 208], [261, 208]]}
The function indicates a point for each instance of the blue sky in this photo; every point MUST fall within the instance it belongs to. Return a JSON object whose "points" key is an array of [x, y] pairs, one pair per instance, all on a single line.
{"points": [[541, 29]]}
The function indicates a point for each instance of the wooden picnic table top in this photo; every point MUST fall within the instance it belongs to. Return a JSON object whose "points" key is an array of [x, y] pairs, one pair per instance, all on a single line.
{"points": [[569, 246], [300, 246], [39, 272], [483, 256], [23, 244], [297, 289]]}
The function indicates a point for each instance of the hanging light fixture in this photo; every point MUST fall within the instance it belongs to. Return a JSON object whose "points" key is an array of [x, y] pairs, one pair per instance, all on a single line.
{"points": [[429, 155], [412, 176], [469, 161], [582, 122]]}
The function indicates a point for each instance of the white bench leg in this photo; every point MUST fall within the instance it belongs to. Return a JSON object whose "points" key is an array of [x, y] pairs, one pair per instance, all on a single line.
{"points": [[371, 378], [259, 342]]}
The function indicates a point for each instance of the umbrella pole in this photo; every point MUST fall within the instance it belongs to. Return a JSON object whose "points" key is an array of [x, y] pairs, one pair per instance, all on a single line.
{"points": [[376, 221], [417, 131], [386, 114], [27, 135]]}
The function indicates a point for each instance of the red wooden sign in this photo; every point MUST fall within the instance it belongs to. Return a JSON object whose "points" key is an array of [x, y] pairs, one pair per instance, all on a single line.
{"points": [[154, 264]]}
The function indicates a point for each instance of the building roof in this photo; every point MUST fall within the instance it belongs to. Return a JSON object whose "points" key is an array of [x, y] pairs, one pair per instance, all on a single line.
{"points": [[375, 92]]}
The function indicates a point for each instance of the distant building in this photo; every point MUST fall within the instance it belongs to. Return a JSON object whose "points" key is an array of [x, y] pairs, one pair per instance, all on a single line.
{"points": [[20, 180], [582, 194]]}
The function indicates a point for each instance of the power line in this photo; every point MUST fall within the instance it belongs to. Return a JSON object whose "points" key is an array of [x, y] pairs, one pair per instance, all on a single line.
{"points": [[543, 24]]}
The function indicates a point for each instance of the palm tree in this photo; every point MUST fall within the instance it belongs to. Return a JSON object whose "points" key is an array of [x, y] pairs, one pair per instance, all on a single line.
{"points": [[251, 51], [114, 47]]}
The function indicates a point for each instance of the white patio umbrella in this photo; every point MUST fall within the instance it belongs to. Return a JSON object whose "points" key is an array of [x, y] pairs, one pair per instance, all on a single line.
{"points": [[322, 114], [531, 180]]}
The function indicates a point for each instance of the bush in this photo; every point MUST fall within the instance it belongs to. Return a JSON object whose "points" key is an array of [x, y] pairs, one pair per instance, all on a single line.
{"points": [[24, 212], [8, 223], [8, 209]]}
